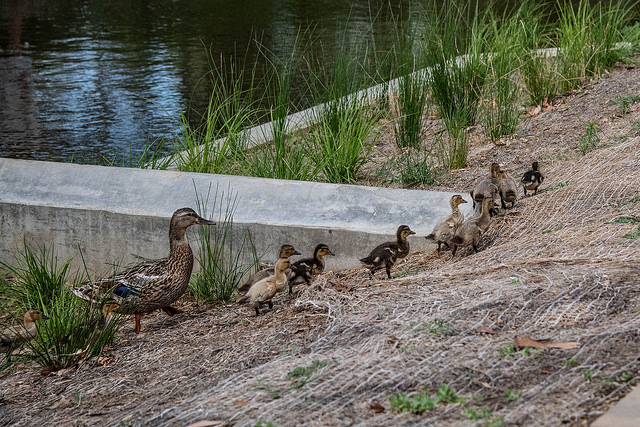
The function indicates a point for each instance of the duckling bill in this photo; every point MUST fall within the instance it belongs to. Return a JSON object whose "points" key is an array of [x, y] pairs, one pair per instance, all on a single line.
{"points": [[151, 285], [386, 254]]}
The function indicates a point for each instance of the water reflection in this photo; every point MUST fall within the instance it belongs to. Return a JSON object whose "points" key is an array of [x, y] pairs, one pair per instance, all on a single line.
{"points": [[84, 79]]}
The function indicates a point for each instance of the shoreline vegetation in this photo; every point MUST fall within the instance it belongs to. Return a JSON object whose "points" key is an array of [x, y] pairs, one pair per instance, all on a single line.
{"points": [[455, 67]]}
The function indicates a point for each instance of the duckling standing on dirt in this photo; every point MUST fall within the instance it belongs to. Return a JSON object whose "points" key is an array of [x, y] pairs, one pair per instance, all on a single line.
{"points": [[151, 285], [302, 271], [285, 251], [386, 254], [508, 189], [532, 179], [472, 230], [264, 290], [17, 334], [487, 187], [446, 229]]}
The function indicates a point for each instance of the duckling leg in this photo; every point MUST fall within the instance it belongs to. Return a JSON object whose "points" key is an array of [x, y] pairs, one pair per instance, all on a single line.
{"points": [[388, 268], [270, 305], [257, 311], [453, 251]]}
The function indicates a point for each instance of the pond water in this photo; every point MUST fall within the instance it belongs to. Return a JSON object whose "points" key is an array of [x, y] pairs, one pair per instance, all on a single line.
{"points": [[83, 80]]}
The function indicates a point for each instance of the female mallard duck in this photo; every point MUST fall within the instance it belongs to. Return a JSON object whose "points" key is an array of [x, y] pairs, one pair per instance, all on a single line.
{"points": [[446, 229], [285, 251], [302, 271], [386, 254], [508, 189], [532, 179], [17, 334], [487, 187], [155, 284], [472, 230], [263, 291]]}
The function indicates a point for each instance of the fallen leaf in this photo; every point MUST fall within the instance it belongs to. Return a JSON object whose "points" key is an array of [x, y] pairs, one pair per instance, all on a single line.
{"points": [[545, 371], [485, 331], [240, 403], [376, 407], [528, 342]]}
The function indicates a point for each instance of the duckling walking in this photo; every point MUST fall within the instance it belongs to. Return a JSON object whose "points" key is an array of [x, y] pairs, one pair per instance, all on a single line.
{"points": [[285, 251], [15, 335], [264, 290], [446, 228], [472, 230], [532, 179], [386, 254], [508, 189], [487, 187], [302, 271], [155, 284]]}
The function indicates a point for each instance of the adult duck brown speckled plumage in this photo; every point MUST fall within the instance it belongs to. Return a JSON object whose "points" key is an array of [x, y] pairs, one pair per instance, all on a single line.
{"points": [[155, 284], [386, 254]]}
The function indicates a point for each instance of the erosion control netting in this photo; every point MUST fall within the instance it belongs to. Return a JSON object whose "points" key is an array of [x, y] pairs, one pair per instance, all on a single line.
{"points": [[558, 267]]}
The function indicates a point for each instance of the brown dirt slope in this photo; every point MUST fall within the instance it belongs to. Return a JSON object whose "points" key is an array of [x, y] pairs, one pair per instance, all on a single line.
{"points": [[558, 266]]}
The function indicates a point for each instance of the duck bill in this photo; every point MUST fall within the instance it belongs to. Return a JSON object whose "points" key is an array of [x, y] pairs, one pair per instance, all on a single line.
{"points": [[203, 221], [331, 253], [411, 232], [297, 253]]}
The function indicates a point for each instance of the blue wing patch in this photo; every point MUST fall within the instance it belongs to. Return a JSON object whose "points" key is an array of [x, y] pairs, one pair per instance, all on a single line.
{"points": [[124, 292]]}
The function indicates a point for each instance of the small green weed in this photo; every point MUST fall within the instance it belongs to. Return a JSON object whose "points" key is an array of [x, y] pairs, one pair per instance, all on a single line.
{"points": [[423, 400], [570, 362], [474, 414], [624, 220], [303, 375], [515, 281], [438, 326], [513, 395], [626, 377], [590, 139], [624, 103], [411, 168], [634, 199], [587, 374], [492, 423], [635, 234], [507, 351], [558, 186], [262, 423]]}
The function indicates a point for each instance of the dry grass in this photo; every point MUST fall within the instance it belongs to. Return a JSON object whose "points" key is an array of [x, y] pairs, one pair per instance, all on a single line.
{"points": [[555, 267]]}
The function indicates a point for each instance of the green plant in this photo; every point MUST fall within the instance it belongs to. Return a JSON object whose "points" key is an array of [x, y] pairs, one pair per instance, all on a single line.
{"points": [[515, 281], [635, 234], [624, 220], [634, 199], [222, 265], [513, 395], [558, 186], [304, 374], [154, 155], [262, 423], [507, 351], [411, 168], [590, 139], [626, 377], [624, 103], [416, 404], [587, 374], [441, 327], [446, 395], [474, 414], [570, 362]]}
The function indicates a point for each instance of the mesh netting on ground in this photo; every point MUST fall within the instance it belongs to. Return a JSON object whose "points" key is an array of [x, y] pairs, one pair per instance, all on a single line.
{"points": [[558, 266]]}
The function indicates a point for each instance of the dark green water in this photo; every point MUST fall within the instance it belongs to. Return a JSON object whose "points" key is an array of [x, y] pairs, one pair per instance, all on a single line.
{"points": [[85, 79]]}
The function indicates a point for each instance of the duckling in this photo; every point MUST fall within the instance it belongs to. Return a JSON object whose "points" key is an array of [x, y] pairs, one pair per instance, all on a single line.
{"points": [[532, 179], [446, 229], [302, 271], [264, 290], [487, 187], [285, 251], [155, 284], [109, 307], [18, 334], [386, 254], [508, 189], [472, 230]]}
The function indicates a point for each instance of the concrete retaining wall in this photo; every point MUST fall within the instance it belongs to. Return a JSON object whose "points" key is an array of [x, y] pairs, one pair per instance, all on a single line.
{"points": [[114, 215]]}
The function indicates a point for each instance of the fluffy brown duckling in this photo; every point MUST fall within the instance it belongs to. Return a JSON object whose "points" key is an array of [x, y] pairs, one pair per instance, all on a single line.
{"points": [[264, 290], [17, 334], [532, 179], [446, 229], [472, 230], [487, 187], [386, 254], [302, 271], [508, 189], [285, 251]]}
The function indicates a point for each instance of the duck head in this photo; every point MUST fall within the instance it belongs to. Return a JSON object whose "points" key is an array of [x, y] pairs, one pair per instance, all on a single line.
{"points": [[322, 250], [33, 315], [456, 201], [494, 170], [535, 166], [403, 232], [286, 251], [181, 219]]}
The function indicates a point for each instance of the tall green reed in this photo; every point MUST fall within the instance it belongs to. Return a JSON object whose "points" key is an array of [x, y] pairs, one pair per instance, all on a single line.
{"points": [[225, 253]]}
